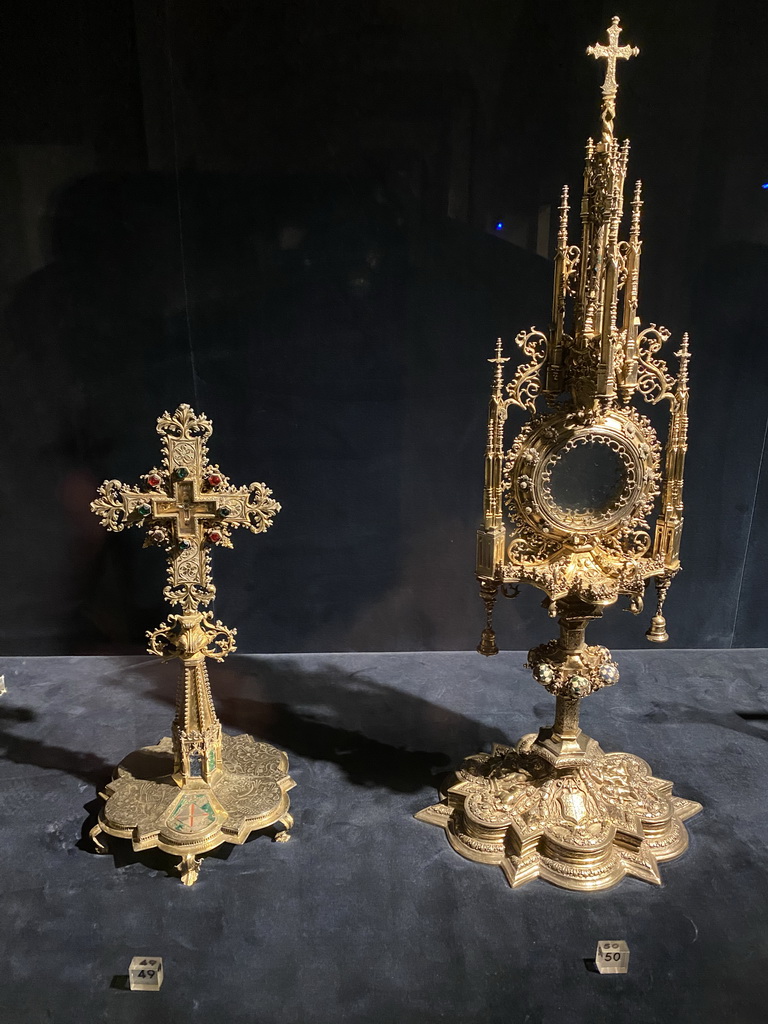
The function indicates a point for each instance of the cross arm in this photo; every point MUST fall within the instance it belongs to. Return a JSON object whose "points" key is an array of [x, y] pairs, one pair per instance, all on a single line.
{"points": [[251, 507], [119, 506]]}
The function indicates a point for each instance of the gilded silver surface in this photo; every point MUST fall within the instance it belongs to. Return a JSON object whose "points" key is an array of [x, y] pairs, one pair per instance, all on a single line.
{"points": [[199, 788], [587, 506]]}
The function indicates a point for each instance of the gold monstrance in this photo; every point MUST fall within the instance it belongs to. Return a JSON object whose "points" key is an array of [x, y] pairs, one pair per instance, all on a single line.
{"points": [[199, 789], [579, 484]]}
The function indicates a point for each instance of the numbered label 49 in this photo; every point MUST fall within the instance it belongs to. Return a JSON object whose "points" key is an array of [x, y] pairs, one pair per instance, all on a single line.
{"points": [[145, 973]]}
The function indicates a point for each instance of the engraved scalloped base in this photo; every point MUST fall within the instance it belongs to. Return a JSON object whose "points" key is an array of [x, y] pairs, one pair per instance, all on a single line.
{"points": [[584, 827], [143, 803]]}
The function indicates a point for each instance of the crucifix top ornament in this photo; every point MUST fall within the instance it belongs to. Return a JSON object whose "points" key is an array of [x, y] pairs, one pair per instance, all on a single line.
{"points": [[229, 785], [610, 54]]}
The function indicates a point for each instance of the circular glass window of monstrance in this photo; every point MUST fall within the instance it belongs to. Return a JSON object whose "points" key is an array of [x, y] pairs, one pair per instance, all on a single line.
{"points": [[588, 482]]}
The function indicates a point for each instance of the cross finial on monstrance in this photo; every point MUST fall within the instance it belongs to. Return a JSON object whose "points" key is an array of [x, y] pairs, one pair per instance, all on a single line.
{"points": [[611, 53], [201, 788], [498, 361]]}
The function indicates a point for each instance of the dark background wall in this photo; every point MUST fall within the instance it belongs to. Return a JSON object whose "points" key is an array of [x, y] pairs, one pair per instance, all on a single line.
{"points": [[285, 214]]}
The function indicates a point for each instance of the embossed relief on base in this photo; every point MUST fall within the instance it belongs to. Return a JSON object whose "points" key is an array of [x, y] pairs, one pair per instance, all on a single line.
{"points": [[251, 793], [584, 829]]}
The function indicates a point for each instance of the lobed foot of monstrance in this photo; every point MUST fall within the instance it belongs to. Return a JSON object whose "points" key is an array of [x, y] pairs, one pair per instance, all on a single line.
{"points": [[145, 803], [582, 825]]}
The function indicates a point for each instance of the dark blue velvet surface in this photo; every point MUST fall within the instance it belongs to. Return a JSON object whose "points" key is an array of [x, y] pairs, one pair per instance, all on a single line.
{"points": [[367, 915]]}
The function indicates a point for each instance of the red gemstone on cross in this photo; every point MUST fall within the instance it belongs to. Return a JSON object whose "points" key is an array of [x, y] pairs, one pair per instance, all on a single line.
{"points": [[214, 480], [214, 536], [154, 481]]}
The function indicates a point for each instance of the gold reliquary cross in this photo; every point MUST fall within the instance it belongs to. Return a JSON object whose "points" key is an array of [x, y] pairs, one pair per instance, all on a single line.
{"points": [[198, 788]]}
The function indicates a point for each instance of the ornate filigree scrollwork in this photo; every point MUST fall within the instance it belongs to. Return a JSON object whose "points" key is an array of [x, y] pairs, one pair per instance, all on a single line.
{"points": [[572, 261], [189, 595], [185, 423], [581, 551], [192, 636], [525, 387], [259, 509], [654, 381], [116, 504]]}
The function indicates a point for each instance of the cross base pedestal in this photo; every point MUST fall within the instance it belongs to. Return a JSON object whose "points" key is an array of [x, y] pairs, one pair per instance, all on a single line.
{"points": [[144, 803], [581, 823]]}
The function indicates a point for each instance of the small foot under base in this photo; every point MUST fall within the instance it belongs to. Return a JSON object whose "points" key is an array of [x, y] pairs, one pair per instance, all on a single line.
{"points": [[584, 826], [145, 803], [189, 868]]}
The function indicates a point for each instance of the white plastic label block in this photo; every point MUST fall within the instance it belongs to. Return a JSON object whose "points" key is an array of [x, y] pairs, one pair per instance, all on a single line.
{"points": [[145, 973], [612, 956]]}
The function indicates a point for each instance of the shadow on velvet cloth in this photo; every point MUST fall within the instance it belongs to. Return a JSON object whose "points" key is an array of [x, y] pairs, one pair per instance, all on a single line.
{"points": [[366, 728], [370, 730], [347, 719], [88, 767]]}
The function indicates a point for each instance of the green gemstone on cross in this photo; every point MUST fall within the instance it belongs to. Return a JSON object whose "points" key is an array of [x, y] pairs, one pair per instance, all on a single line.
{"points": [[224, 511], [143, 510], [185, 545], [182, 473]]}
